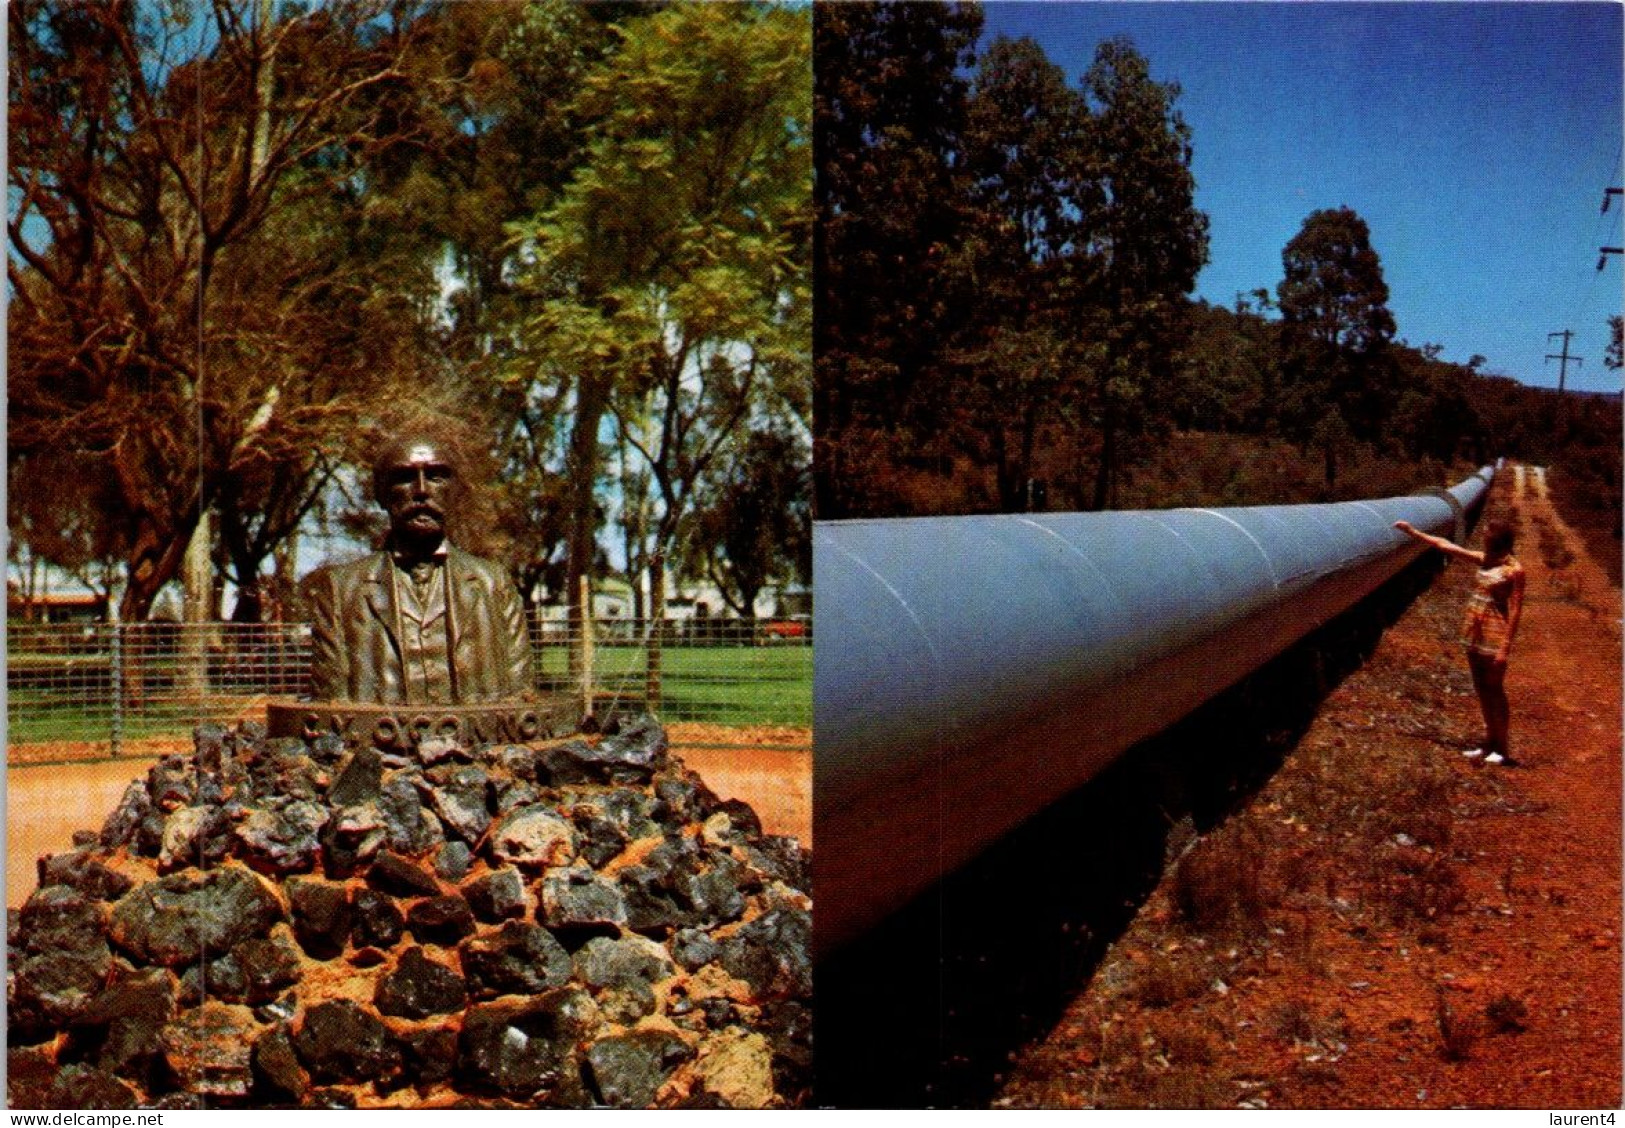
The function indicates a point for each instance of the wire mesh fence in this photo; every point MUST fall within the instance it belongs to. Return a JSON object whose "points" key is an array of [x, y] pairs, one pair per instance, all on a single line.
{"points": [[113, 688]]}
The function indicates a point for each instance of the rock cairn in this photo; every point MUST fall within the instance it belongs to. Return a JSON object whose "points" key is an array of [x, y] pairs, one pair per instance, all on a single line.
{"points": [[276, 923]]}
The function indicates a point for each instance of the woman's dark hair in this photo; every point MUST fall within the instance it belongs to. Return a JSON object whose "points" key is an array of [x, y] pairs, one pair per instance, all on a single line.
{"points": [[1498, 539]]}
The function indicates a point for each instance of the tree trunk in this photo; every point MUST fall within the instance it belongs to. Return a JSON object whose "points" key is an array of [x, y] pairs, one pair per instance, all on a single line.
{"points": [[657, 630], [592, 399], [1108, 460], [197, 579]]}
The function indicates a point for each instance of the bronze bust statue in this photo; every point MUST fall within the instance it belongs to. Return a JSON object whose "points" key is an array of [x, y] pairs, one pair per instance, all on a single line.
{"points": [[421, 622]]}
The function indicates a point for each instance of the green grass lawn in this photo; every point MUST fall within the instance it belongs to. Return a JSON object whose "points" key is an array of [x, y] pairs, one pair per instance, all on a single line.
{"points": [[738, 685], [727, 685]]}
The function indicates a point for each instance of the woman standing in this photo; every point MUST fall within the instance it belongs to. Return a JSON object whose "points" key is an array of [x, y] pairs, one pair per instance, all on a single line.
{"points": [[1491, 623]]}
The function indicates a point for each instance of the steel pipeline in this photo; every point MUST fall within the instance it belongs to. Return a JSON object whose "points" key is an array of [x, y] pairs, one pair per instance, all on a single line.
{"points": [[971, 670]]}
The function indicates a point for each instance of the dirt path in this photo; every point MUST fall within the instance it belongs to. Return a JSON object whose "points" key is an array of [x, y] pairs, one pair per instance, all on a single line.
{"points": [[1395, 926], [769, 768]]}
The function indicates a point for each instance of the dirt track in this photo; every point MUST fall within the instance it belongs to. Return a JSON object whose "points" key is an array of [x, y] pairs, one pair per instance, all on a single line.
{"points": [[1423, 932], [46, 803]]}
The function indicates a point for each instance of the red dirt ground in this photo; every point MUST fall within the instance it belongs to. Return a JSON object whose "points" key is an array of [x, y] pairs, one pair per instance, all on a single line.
{"points": [[1416, 930]]}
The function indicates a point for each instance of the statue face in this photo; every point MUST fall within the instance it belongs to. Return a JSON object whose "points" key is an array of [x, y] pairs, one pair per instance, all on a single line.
{"points": [[413, 482]]}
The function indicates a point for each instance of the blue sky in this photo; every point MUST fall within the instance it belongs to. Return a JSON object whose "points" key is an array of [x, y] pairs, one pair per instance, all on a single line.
{"points": [[1474, 138]]}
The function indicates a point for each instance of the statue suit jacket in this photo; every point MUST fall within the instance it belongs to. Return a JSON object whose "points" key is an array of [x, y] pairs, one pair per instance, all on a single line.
{"points": [[357, 655]]}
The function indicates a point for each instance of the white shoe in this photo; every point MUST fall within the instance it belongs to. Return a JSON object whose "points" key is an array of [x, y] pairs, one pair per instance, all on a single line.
{"points": [[1495, 758], [1473, 753]]}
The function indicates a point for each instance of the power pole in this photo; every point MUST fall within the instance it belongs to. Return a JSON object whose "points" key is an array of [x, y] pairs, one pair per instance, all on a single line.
{"points": [[1563, 368]]}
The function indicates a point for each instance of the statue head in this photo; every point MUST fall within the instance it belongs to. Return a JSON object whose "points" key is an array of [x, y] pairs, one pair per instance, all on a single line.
{"points": [[412, 479]]}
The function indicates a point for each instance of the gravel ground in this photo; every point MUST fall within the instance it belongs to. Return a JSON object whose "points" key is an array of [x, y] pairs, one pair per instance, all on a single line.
{"points": [[1387, 924]]}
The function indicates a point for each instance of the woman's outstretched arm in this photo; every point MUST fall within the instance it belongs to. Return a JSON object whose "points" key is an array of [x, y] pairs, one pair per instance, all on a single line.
{"points": [[1446, 546]]}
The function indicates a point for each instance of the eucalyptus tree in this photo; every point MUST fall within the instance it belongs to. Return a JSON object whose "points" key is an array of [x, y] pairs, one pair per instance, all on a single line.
{"points": [[1336, 327], [1147, 242], [890, 95], [668, 281], [1022, 153], [154, 150]]}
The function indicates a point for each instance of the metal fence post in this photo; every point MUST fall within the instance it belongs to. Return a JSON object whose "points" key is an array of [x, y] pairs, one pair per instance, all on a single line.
{"points": [[118, 688]]}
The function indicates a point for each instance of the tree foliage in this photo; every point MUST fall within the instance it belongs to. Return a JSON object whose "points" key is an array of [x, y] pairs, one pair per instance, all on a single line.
{"points": [[173, 318], [246, 235]]}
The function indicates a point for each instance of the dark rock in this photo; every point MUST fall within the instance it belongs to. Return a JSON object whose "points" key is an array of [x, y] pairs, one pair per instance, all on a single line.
{"points": [[283, 840], [364, 958], [408, 827], [80, 871], [497, 896], [651, 907], [434, 749], [517, 761], [526, 1050], [268, 967], [532, 837], [516, 959], [29, 1076], [340, 1042], [194, 836], [782, 859], [693, 949], [352, 837], [81, 1087], [419, 987], [360, 780], [212, 744], [561, 765], [379, 922], [789, 1029], [60, 916], [630, 962], [717, 893], [327, 749], [170, 783], [719, 1012], [176, 919], [744, 825], [679, 802], [453, 860], [289, 771], [321, 916], [630, 757], [221, 979], [121, 826], [431, 1054], [598, 840], [639, 749], [628, 1069], [582, 903], [133, 1009], [331, 1100], [210, 1050], [511, 793], [276, 1065], [459, 796], [773, 953], [279, 1009], [62, 963], [391, 873], [441, 920]]}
